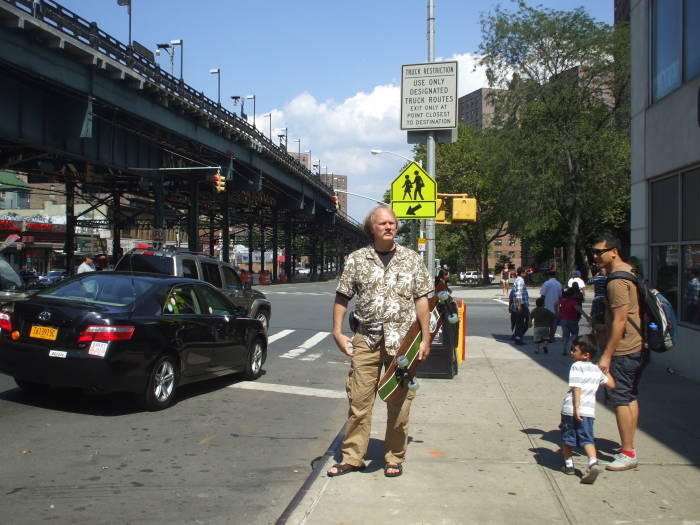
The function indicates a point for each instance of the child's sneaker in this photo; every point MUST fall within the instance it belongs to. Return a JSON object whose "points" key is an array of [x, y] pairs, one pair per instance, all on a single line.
{"points": [[568, 470], [592, 473], [622, 462]]}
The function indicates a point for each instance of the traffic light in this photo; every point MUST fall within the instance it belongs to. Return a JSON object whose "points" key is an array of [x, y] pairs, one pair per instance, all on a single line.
{"points": [[336, 203], [219, 182], [440, 213], [463, 209]]}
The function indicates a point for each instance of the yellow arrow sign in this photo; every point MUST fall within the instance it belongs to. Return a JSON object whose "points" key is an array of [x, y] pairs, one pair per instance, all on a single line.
{"points": [[413, 194]]}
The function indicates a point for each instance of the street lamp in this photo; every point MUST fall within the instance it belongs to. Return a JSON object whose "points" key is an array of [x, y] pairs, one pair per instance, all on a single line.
{"points": [[182, 46], [269, 115], [217, 72], [169, 50], [298, 141], [280, 135], [236, 99], [380, 151], [253, 97]]}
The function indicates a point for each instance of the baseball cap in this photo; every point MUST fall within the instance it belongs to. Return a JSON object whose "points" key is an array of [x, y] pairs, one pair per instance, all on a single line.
{"points": [[577, 273]]}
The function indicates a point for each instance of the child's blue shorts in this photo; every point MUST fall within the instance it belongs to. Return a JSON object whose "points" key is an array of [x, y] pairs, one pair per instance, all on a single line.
{"points": [[577, 433]]}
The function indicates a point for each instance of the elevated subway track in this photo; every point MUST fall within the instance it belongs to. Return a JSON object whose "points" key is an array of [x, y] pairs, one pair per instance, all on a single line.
{"points": [[82, 109]]}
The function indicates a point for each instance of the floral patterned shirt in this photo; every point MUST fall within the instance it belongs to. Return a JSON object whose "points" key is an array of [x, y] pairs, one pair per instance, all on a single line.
{"points": [[385, 302]]}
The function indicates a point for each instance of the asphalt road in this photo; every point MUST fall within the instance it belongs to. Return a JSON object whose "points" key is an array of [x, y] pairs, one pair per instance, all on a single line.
{"points": [[228, 451]]}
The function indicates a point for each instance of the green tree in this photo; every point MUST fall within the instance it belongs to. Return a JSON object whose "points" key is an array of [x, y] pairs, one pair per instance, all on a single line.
{"points": [[477, 164], [562, 107]]}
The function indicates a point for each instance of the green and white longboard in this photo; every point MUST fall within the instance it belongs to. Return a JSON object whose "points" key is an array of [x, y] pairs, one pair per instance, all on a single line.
{"points": [[400, 374]]}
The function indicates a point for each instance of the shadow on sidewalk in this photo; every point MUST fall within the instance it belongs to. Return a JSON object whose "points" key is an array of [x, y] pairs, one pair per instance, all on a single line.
{"points": [[666, 402], [551, 459]]}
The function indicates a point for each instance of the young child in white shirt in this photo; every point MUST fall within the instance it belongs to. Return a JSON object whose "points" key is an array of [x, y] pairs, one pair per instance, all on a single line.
{"points": [[578, 409]]}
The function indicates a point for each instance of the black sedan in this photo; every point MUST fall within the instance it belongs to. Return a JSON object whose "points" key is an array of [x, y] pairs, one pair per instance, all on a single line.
{"points": [[121, 331]]}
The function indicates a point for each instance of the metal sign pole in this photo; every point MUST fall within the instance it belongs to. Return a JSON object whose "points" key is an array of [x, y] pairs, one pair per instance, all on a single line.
{"points": [[430, 223]]}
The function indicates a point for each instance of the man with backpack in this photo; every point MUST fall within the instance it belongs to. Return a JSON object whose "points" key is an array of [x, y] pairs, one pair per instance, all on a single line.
{"points": [[623, 354]]}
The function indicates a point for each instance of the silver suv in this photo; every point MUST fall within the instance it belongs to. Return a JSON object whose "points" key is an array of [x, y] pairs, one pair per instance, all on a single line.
{"points": [[184, 263]]}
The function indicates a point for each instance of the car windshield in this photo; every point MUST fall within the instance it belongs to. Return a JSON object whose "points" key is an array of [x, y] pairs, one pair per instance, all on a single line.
{"points": [[137, 262], [10, 281], [100, 288]]}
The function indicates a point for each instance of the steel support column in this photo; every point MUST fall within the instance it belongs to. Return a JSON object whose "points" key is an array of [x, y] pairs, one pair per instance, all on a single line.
{"points": [[314, 262], [262, 243], [288, 247], [225, 234], [250, 247], [322, 257], [193, 216], [116, 227], [274, 246], [69, 245], [159, 207], [212, 231]]}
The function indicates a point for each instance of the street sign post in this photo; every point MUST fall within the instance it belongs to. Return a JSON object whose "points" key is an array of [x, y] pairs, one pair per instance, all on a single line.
{"points": [[414, 194]]}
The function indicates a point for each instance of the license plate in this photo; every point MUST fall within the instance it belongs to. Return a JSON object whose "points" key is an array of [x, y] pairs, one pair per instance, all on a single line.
{"points": [[44, 332], [58, 353]]}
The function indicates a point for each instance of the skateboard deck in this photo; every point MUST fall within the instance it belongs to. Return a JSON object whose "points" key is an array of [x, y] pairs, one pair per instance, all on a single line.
{"points": [[400, 373]]}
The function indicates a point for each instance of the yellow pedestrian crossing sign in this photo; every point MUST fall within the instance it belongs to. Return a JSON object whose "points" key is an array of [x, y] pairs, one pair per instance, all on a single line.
{"points": [[413, 194]]}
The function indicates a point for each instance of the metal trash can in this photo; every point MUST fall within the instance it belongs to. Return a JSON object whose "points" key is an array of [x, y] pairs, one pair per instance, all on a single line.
{"points": [[442, 361]]}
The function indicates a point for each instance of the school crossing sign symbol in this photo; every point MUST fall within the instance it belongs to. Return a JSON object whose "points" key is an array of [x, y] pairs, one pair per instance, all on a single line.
{"points": [[414, 194]]}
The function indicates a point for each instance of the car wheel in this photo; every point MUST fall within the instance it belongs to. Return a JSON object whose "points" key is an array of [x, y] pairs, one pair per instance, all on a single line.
{"points": [[262, 317], [161, 385], [31, 387], [254, 362]]}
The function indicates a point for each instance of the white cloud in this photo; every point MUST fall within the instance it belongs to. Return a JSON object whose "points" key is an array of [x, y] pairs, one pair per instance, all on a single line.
{"points": [[342, 133]]}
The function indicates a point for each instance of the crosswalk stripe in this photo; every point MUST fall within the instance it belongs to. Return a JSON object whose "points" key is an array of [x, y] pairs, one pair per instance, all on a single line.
{"points": [[310, 357], [303, 347], [289, 389], [278, 335]]}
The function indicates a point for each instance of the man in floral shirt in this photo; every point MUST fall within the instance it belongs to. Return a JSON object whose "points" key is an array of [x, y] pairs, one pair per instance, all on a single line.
{"points": [[390, 284]]}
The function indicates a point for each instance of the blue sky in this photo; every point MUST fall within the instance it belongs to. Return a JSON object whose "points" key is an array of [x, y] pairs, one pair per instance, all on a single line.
{"points": [[328, 70]]}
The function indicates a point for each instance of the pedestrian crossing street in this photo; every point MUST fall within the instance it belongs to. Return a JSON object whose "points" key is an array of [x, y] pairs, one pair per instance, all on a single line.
{"points": [[295, 344]]}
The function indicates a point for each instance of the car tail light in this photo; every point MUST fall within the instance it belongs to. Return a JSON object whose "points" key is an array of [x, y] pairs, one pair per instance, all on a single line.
{"points": [[5, 321], [106, 333]]}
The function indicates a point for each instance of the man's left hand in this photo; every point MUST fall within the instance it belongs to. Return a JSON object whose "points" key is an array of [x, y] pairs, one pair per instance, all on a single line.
{"points": [[424, 350]]}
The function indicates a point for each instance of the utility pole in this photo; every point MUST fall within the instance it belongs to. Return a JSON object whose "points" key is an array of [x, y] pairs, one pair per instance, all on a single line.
{"points": [[430, 150]]}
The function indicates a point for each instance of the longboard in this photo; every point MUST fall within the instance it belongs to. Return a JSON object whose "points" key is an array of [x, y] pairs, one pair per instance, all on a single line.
{"points": [[400, 373]]}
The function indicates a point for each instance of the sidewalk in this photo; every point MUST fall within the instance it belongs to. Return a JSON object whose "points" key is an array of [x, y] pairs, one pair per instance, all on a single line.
{"points": [[484, 448]]}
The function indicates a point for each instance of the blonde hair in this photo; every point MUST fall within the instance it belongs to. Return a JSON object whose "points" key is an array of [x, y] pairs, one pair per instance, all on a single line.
{"points": [[368, 225]]}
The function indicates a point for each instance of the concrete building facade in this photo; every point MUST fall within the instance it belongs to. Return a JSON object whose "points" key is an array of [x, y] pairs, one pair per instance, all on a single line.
{"points": [[665, 191], [338, 182], [475, 109]]}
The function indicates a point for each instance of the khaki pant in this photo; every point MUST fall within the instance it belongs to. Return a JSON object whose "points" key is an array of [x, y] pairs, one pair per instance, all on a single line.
{"points": [[366, 370]]}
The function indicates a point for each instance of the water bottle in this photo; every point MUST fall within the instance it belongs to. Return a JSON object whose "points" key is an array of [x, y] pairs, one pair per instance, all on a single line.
{"points": [[653, 335]]}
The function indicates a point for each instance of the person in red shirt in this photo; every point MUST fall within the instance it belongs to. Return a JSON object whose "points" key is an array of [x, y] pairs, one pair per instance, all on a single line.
{"points": [[570, 312]]}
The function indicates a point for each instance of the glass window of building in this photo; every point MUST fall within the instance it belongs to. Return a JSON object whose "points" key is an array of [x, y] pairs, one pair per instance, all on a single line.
{"points": [[664, 194], [690, 309], [691, 198], [675, 243], [666, 47], [691, 39]]}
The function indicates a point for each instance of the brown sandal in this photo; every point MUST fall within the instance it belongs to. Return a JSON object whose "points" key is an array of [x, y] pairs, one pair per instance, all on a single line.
{"points": [[344, 468], [393, 466]]}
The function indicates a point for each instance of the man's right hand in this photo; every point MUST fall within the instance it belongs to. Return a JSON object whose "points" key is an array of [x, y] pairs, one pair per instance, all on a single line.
{"points": [[344, 344]]}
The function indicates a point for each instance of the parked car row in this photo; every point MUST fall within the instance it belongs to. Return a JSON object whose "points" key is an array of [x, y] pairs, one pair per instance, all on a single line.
{"points": [[473, 277], [160, 320]]}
